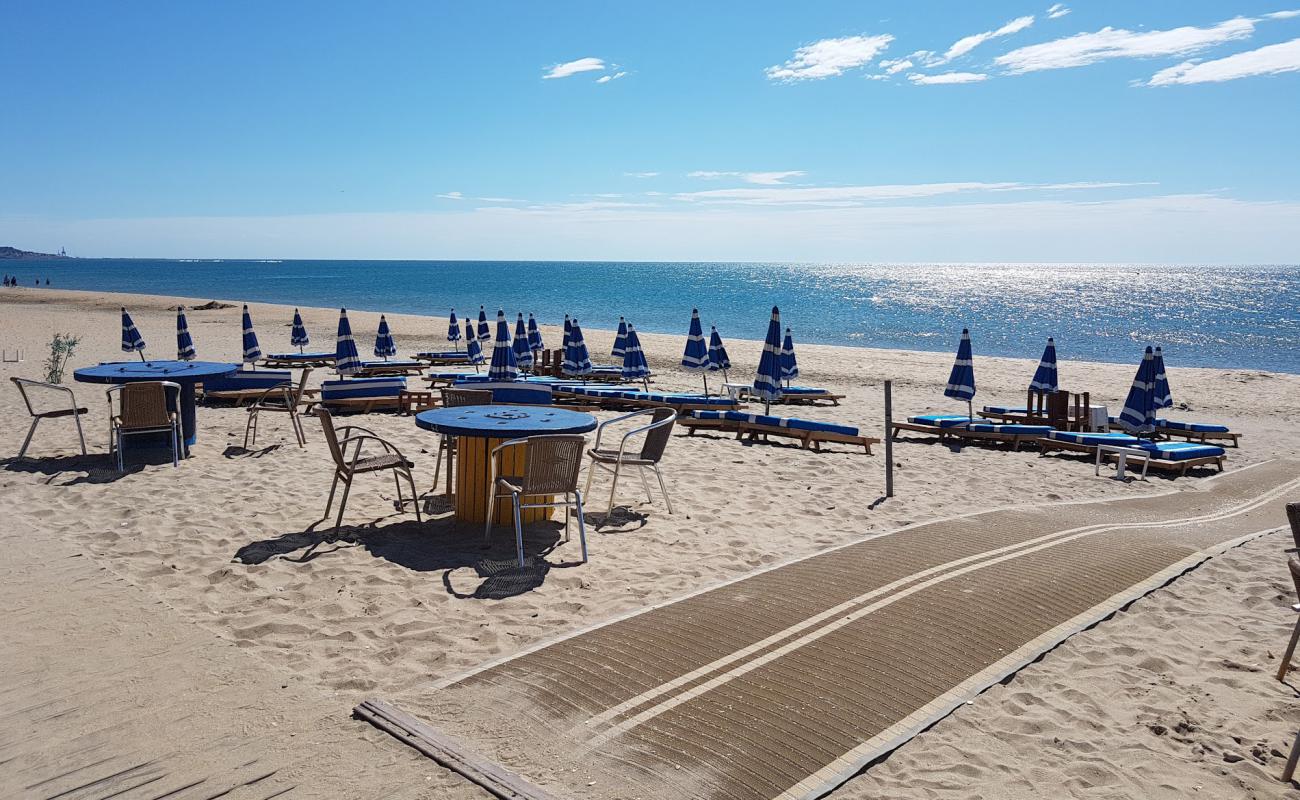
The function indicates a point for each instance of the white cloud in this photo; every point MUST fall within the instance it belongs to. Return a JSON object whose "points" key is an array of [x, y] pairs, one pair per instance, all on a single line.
{"points": [[570, 68], [640, 174], [608, 78], [968, 43], [896, 65], [1057, 11], [762, 178], [856, 195], [1283, 14], [1088, 48], [452, 196], [1273, 59], [830, 57], [946, 77]]}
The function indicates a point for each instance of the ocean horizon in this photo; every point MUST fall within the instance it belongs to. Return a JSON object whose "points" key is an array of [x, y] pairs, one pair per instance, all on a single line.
{"points": [[1235, 317]]}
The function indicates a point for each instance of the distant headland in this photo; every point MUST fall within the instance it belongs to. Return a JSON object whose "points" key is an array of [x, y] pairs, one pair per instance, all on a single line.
{"points": [[14, 254]]}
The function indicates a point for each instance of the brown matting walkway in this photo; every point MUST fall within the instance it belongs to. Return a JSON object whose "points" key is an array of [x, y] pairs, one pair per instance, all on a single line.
{"points": [[786, 683]]}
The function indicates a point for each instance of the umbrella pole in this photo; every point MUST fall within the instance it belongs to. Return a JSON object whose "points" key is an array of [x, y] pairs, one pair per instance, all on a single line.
{"points": [[970, 409], [706, 383], [141, 354]]}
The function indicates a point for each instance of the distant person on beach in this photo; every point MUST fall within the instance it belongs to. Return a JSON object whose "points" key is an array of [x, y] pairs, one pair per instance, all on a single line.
{"points": [[47, 281]]}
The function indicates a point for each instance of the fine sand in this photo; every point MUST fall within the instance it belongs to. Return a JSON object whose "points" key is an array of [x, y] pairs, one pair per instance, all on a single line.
{"points": [[1170, 697]]}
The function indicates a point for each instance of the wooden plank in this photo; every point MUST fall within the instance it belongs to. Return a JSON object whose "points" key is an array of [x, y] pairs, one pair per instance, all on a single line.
{"points": [[448, 752]]}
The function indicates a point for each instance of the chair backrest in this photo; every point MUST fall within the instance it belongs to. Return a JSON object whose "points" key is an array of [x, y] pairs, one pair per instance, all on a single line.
{"points": [[1293, 516], [453, 397], [331, 437], [656, 439], [301, 387], [553, 463], [47, 390], [145, 404], [1293, 564]]}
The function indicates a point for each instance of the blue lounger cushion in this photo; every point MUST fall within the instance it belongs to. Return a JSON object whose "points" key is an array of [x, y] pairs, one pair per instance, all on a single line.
{"points": [[798, 390], [462, 377], [1181, 451], [351, 388], [1015, 430], [1094, 439], [1006, 409], [447, 354], [395, 363], [300, 356], [942, 420], [777, 422], [1191, 427], [248, 379], [513, 392]]}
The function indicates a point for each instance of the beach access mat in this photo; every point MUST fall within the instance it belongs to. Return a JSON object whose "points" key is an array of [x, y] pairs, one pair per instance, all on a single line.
{"points": [[787, 682]]}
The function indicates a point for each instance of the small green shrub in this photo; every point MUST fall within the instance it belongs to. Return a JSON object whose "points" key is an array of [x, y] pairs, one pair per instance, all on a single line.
{"points": [[62, 347]]}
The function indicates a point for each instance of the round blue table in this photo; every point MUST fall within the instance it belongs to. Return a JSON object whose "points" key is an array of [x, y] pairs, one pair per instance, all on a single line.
{"points": [[480, 429], [185, 373]]}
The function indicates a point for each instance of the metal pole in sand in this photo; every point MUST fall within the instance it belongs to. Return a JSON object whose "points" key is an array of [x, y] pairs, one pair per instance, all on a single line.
{"points": [[889, 439]]}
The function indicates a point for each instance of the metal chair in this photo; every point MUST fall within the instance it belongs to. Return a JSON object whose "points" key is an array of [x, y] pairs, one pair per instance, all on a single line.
{"points": [[447, 444], [143, 408], [282, 398], [73, 410], [346, 468], [551, 467], [656, 433]]}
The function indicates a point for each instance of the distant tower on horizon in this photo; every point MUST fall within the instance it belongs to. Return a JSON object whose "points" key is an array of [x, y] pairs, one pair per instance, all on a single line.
{"points": [[63, 251]]}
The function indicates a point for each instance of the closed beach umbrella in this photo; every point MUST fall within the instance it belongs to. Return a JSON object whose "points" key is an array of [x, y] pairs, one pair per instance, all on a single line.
{"points": [[503, 366], [473, 351], [1163, 399], [635, 367], [1139, 414], [696, 356], [576, 359], [620, 340], [346, 359], [298, 336], [718, 358], [1045, 376], [453, 330], [789, 364], [523, 354], [252, 351], [568, 331], [132, 341], [484, 332], [535, 342], [384, 345], [961, 382], [184, 344], [767, 383]]}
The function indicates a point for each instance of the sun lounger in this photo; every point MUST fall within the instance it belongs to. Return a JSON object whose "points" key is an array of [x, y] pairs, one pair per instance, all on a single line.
{"points": [[960, 426], [388, 369], [810, 433], [1196, 431], [245, 386], [1175, 456], [619, 399], [808, 395], [443, 358], [360, 394], [518, 393], [940, 425], [284, 360]]}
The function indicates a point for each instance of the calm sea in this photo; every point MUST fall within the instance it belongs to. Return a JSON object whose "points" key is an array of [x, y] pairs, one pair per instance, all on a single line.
{"points": [[1204, 316]]}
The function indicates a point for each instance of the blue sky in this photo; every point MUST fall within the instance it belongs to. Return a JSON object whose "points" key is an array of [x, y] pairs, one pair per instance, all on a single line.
{"points": [[845, 131]]}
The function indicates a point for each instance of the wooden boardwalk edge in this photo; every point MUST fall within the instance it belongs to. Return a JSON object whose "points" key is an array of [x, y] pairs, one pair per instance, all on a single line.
{"points": [[448, 752]]}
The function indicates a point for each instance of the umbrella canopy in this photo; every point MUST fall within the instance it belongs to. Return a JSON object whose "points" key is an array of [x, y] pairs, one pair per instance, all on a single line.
{"points": [[523, 354], [767, 383], [132, 341], [484, 332], [568, 331], [453, 328], [789, 364], [961, 382], [1164, 399], [252, 351], [696, 356], [384, 345], [503, 366], [534, 335], [635, 367], [576, 359], [346, 359], [184, 344], [1139, 414], [472, 348], [620, 340], [298, 336], [1045, 376], [718, 358]]}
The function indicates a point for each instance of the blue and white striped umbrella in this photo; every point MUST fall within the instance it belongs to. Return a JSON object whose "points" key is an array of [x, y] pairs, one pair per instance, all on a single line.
{"points": [[132, 341], [252, 351], [1045, 376], [635, 367], [1139, 414], [484, 332], [473, 350], [620, 340], [384, 344], [718, 358], [523, 354], [961, 382], [298, 336], [767, 383], [346, 359], [503, 366], [453, 329], [184, 344], [568, 331], [576, 359], [789, 364], [535, 342], [696, 356], [1164, 399]]}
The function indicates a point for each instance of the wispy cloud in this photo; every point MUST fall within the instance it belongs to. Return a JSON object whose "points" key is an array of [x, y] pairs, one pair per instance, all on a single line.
{"points": [[762, 178], [452, 196], [833, 196], [1272, 59], [1283, 14], [640, 174], [946, 77], [571, 68], [895, 66], [1088, 48], [1057, 11], [968, 43], [608, 78], [828, 58]]}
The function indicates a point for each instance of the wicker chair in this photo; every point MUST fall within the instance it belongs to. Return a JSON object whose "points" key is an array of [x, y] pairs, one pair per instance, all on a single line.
{"points": [[348, 467], [71, 410], [1293, 563], [551, 467], [447, 444], [285, 399], [657, 432], [146, 407]]}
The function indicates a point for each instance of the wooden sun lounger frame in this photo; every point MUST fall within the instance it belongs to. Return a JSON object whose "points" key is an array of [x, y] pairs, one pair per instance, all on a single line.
{"points": [[390, 371], [811, 439], [1047, 445], [808, 398], [1013, 439], [461, 359], [241, 396], [1200, 437], [617, 403], [364, 404], [270, 362]]}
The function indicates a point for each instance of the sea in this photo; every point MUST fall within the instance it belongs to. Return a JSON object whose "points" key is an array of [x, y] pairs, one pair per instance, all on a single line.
{"points": [[1241, 317]]}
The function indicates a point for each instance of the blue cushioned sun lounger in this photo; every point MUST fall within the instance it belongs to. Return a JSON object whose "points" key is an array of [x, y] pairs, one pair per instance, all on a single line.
{"points": [[1196, 431], [366, 394], [1006, 409], [513, 392], [960, 426], [811, 433], [1177, 456]]}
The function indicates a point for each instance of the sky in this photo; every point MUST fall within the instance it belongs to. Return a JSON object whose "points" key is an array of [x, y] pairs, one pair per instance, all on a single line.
{"points": [[765, 131]]}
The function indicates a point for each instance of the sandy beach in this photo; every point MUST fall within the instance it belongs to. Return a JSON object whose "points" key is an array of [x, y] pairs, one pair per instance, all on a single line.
{"points": [[1171, 697]]}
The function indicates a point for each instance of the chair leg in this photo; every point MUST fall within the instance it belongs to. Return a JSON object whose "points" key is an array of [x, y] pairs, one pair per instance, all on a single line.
{"points": [[613, 484], [591, 472], [582, 527], [250, 425], [663, 488], [397, 481], [1291, 760], [491, 509], [297, 428], [330, 502], [176, 446], [519, 529], [650, 498], [415, 496], [80, 433], [343, 503], [1290, 651], [36, 421]]}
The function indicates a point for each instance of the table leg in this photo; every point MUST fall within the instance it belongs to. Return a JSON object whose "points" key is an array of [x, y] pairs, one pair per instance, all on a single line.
{"points": [[473, 476], [189, 427]]}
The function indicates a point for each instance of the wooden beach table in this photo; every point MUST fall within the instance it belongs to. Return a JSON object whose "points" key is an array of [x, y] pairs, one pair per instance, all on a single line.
{"points": [[479, 429], [185, 373]]}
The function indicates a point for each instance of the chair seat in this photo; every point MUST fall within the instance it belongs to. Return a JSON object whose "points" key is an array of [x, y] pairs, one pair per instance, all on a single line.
{"points": [[611, 457], [382, 461], [62, 412]]}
